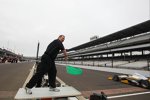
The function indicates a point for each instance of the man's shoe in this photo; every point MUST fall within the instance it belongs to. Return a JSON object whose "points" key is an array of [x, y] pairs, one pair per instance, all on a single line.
{"points": [[53, 89], [28, 90]]}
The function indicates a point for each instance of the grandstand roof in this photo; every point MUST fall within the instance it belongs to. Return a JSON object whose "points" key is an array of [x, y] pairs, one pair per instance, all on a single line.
{"points": [[131, 31]]}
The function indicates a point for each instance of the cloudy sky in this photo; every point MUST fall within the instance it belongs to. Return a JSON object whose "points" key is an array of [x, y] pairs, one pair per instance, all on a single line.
{"points": [[25, 22]]}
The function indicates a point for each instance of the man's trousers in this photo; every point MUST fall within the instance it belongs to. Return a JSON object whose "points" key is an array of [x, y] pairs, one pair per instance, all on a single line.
{"points": [[43, 68]]}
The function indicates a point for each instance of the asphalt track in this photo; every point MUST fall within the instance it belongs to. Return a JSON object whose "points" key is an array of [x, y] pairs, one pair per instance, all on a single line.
{"points": [[13, 76], [97, 81]]}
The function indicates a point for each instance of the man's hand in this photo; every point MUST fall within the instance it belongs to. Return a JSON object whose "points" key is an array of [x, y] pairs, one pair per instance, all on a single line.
{"points": [[65, 54]]}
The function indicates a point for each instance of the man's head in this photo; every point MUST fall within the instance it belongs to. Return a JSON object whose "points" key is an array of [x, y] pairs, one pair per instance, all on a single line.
{"points": [[61, 38]]}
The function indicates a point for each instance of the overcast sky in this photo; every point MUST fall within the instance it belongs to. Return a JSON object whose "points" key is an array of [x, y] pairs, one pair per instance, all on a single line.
{"points": [[25, 22]]}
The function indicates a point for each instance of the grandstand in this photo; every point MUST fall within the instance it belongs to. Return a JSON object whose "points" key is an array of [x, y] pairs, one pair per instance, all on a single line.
{"points": [[128, 48], [8, 56]]}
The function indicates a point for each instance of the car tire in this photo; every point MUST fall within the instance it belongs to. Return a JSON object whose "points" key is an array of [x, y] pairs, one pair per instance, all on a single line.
{"points": [[116, 78], [145, 84]]}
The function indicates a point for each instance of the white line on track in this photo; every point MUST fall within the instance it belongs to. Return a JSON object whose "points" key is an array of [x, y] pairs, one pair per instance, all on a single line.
{"points": [[127, 95], [29, 76]]}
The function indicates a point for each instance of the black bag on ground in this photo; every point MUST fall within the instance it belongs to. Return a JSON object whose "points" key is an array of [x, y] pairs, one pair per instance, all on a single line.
{"points": [[96, 96]]}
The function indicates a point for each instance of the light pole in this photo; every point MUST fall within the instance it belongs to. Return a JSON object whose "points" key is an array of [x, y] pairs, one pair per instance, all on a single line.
{"points": [[37, 51]]}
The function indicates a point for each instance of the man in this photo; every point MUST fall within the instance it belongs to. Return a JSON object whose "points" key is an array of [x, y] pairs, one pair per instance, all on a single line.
{"points": [[47, 65]]}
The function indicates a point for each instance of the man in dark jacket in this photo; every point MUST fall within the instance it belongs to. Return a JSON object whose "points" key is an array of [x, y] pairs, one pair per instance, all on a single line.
{"points": [[47, 65]]}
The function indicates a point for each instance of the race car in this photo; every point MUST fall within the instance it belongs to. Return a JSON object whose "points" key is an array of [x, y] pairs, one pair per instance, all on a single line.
{"points": [[135, 79]]}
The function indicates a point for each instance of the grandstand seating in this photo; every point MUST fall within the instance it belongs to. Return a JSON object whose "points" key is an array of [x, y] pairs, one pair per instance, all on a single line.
{"points": [[103, 51], [125, 42]]}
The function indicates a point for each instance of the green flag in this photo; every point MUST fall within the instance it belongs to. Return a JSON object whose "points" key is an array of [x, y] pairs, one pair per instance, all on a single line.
{"points": [[74, 70]]}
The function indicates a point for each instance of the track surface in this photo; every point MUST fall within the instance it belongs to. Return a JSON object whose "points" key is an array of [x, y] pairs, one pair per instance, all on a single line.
{"points": [[12, 77], [97, 81]]}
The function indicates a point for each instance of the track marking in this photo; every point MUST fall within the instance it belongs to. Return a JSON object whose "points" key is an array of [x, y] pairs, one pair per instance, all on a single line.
{"points": [[114, 91], [29, 76], [127, 95]]}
